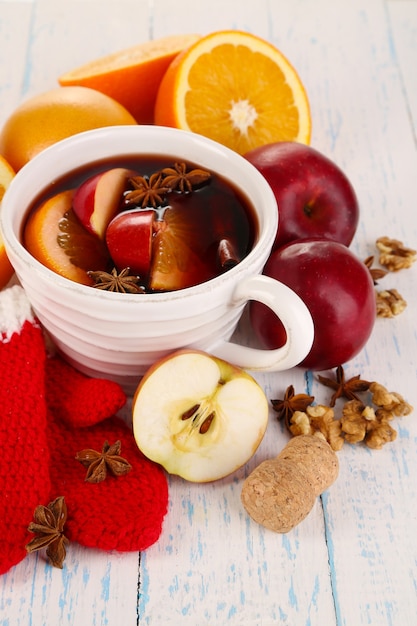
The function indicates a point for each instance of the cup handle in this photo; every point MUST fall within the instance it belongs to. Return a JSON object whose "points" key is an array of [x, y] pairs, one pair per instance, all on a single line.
{"points": [[292, 312]]}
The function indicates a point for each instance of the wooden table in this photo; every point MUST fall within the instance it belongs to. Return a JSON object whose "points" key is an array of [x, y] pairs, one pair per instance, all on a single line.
{"points": [[353, 561]]}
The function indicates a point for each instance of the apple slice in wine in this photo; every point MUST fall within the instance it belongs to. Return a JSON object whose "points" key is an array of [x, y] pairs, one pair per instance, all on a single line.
{"points": [[99, 198], [129, 240]]}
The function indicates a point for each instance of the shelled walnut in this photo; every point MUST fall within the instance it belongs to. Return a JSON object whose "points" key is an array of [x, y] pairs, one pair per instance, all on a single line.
{"points": [[394, 255], [389, 303], [360, 422], [363, 419], [318, 419], [390, 403]]}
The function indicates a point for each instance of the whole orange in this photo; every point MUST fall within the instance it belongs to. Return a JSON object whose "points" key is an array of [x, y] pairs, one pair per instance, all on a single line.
{"points": [[6, 175], [51, 116]]}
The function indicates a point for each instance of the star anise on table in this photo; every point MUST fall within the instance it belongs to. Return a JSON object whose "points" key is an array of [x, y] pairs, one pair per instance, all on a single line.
{"points": [[100, 463], [376, 272], [178, 179], [48, 526], [344, 388], [121, 282], [291, 403], [147, 192]]}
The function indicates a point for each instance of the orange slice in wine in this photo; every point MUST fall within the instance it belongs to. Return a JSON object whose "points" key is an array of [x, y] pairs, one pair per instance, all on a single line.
{"points": [[56, 238]]}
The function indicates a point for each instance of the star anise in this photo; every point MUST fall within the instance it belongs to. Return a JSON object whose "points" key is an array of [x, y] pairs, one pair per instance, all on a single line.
{"points": [[376, 272], [99, 463], [344, 388], [120, 283], [147, 192], [290, 404], [49, 530], [178, 179]]}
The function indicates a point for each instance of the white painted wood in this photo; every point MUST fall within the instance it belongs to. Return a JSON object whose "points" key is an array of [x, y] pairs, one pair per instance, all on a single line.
{"points": [[68, 33], [404, 37], [14, 18], [353, 561]]}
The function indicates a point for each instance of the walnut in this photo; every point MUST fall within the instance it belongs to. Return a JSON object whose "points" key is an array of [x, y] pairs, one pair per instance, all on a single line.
{"points": [[363, 423], [318, 419], [354, 421], [389, 303], [394, 255], [391, 404], [300, 424], [379, 433], [364, 419]]}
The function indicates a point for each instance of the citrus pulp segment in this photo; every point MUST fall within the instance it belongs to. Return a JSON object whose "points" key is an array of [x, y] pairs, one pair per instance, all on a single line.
{"points": [[54, 236], [237, 89]]}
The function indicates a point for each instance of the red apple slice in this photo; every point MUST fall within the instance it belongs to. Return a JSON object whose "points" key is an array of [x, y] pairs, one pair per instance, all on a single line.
{"points": [[129, 240], [98, 199]]}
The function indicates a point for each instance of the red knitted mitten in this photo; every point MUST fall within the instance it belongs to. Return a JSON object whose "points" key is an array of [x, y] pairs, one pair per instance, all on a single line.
{"points": [[78, 400], [24, 460], [123, 513]]}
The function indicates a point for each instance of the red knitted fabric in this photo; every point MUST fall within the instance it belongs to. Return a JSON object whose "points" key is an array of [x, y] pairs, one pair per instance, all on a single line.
{"points": [[79, 400], [122, 513], [48, 413], [24, 460]]}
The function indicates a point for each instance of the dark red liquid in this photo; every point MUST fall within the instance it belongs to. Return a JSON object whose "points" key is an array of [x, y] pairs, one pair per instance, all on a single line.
{"points": [[218, 220]]}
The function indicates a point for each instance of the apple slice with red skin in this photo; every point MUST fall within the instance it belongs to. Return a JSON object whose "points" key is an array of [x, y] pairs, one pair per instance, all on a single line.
{"points": [[198, 416], [129, 240], [98, 199]]}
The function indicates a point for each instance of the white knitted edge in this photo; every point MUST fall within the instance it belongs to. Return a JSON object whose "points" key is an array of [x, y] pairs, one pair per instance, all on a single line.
{"points": [[15, 309]]}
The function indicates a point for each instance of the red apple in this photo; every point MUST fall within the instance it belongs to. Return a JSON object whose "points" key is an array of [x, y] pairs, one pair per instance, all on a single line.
{"points": [[98, 199], [314, 196], [337, 288], [129, 240]]}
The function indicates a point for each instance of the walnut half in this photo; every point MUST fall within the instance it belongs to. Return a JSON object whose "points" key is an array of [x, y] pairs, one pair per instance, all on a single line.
{"points": [[389, 303], [394, 255], [361, 423], [318, 419]]}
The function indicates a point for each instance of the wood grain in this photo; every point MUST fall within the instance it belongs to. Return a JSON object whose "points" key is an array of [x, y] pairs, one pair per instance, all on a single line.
{"points": [[353, 560]]}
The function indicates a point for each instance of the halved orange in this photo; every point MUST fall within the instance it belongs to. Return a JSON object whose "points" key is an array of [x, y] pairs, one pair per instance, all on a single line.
{"points": [[55, 237], [6, 175], [237, 89], [131, 76]]}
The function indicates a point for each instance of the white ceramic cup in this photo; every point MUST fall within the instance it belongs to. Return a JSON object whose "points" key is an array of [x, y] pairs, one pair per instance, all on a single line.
{"points": [[119, 336]]}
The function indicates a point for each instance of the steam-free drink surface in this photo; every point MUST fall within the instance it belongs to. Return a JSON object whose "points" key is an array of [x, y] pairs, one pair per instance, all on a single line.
{"points": [[200, 229]]}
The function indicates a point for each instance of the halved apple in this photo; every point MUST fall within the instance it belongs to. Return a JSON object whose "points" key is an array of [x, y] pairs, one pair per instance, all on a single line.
{"points": [[198, 416], [129, 240], [97, 200]]}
